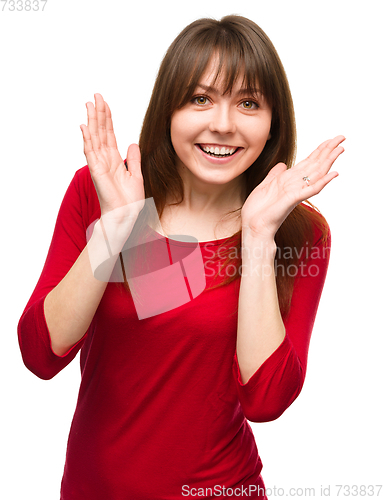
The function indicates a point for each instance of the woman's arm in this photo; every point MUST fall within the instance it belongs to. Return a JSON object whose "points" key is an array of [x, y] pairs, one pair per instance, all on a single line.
{"points": [[261, 332], [71, 305], [260, 327], [277, 382], [78, 209], [65, 300]]}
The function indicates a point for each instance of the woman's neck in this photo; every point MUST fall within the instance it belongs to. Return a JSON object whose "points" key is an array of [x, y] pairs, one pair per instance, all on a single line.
{"points": [[209, 200]]}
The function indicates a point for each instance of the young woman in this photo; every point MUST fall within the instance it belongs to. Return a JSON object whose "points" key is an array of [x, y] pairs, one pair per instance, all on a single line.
{"points": [[164, 399]]}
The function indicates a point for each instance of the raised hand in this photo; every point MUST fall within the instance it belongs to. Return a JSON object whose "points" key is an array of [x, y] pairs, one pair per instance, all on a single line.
{"points": [[120, 191], [273, 199]]}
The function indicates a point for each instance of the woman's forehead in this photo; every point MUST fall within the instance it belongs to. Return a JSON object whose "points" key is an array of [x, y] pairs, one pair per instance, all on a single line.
{"points": [[217, 78]]}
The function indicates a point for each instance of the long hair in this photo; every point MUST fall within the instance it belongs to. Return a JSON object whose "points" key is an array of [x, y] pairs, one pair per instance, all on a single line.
{"points": [[244, 50]]}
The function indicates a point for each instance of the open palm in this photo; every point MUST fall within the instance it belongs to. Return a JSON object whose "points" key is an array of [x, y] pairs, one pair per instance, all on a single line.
{"points": [[120, 191], [272, 200]]}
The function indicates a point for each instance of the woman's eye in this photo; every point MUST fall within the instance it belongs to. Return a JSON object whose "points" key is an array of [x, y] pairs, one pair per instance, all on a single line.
{"points": [[249, 105], [200, 100]]}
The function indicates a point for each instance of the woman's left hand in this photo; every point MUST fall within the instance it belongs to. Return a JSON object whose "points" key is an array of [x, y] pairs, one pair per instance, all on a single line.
{"points": [[283, 189]]}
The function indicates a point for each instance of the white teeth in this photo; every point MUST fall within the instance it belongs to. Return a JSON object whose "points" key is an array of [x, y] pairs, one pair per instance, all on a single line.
{"points": [[218, 151]]}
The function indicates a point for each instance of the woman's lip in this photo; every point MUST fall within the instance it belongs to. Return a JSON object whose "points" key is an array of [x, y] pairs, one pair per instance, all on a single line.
{"points": [[209, 144], [218, 161]]}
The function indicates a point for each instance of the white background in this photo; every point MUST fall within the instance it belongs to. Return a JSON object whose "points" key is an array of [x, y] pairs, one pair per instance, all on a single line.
{"points": [[52, 63]]}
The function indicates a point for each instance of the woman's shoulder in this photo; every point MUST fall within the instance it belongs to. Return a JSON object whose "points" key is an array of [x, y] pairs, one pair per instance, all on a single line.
{"points": [[318, 223], [81, 195], [83, 179]]}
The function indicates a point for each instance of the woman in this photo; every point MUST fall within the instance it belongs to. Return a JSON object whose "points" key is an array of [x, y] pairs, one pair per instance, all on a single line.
{"points": [[164, 400]]}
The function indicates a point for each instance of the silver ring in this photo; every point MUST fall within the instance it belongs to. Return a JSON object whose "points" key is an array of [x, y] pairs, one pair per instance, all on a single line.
{"points": [[306, 179]]}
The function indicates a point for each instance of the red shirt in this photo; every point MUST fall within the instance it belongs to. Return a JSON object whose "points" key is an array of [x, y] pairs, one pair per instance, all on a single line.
{"points": [[161, 406]]}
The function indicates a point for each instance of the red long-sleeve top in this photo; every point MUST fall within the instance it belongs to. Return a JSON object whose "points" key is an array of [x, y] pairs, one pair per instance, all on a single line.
{"points": [[161, 406]]}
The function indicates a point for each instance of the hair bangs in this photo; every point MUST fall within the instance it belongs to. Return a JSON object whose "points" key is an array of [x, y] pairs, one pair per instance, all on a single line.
{"points": [[236, 57]]}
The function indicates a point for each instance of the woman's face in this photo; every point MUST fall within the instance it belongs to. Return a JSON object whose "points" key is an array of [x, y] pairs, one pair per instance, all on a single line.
{"points": [[217, 137]]}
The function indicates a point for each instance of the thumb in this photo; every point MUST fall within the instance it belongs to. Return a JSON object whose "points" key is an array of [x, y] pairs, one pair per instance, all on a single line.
{"points": [[276, 170], [134, 160]]}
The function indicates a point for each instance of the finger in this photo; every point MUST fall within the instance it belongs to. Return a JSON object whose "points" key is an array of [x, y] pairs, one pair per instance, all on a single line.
{"points": [[326, 146], [93, 126], [319, 166], [111, 139], [318, 186], [327, 163], [328, 150], [88, 146], [101, 119], [134, 160], [313, 156], [322, 170], [318, 150]]}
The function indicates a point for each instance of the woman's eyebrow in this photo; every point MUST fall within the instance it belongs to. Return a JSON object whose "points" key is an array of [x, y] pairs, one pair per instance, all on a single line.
{"points": [[208, 88], [240, 92]]}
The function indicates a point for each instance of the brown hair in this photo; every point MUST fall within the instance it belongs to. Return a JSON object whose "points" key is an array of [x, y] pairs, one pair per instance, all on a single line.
{"points": [[243, 49]]}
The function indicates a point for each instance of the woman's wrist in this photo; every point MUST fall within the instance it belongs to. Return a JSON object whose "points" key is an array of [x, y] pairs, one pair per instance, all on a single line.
{"points": [[252, 238], [258, 253], [114, 234]]}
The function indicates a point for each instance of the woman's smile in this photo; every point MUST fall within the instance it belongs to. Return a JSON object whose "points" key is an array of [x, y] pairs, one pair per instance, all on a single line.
{"points": [[218, 154]]}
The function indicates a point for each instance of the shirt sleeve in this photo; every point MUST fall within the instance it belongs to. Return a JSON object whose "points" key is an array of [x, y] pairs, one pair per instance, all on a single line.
{"points": [[68, 241], [279, 380]]}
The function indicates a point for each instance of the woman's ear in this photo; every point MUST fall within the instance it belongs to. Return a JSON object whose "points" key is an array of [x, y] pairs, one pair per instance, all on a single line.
{"points": [[270, 135]]}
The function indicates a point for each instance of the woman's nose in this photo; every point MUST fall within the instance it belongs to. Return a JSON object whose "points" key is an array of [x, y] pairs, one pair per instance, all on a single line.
{"points": [[222, 121]]}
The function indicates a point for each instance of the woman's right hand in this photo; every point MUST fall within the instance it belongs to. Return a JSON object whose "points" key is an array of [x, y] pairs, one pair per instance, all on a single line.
{"points": [[120, 191]]}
